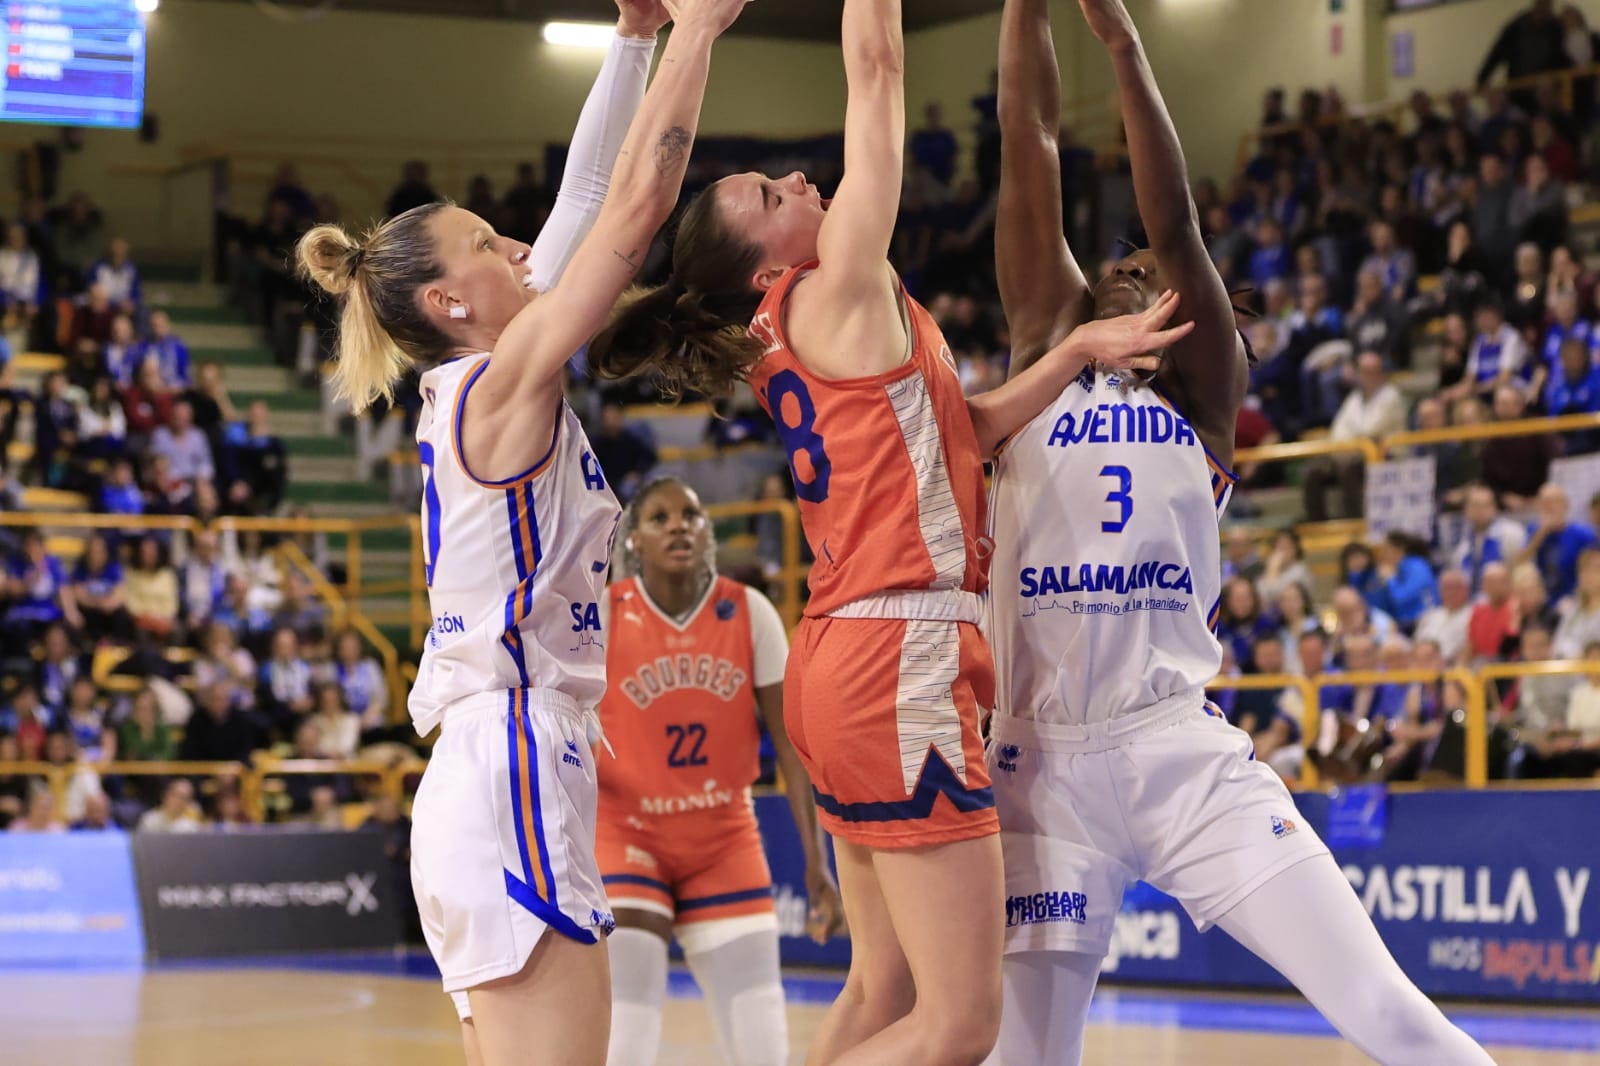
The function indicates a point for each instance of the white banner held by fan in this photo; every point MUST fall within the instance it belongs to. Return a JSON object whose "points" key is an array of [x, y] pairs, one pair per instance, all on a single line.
{"points": [[1580, 476], [1400, 495]]}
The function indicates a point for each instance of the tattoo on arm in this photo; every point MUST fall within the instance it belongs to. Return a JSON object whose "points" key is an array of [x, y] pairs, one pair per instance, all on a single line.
{"points": [[631, 259], [672, 148]]}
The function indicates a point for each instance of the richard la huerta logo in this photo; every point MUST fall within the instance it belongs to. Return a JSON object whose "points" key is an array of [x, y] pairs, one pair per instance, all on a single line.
{"points": [[1008, 758], [1282, 827], [1041, 907]]}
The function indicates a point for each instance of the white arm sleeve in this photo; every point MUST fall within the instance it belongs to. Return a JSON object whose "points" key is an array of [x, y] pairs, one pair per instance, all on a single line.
{"points": [[602, 126], [768, 640]]}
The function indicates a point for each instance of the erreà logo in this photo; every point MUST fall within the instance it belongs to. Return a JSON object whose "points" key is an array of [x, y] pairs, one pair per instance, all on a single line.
{"points": [[1008, 758]]}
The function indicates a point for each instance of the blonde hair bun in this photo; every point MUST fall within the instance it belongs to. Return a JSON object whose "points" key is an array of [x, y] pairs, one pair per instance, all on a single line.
{"points": [[327, 257]]}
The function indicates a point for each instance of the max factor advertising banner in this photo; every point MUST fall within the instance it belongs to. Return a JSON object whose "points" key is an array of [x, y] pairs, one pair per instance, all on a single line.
{"points": [[68, 897], [235, 894], [1492, 895]]}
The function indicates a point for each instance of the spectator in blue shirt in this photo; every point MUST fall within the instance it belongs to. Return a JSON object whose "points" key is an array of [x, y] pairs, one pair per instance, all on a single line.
{"points": [[123, 353], [1240, 622], [1486, 536], [1554, 543], [1271, 258], [120, 492], [1358, 570], [1396, 266], [97, 587], [1407, 586], [170, 353], [36, 587], [1314, 662], [1574, 389], [1565, 326], [934, 147], [119, 276]]}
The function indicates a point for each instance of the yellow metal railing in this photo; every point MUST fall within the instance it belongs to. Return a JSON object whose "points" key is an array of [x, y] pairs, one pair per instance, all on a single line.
{"points": [[337, 599], [1522, 427], [254, 781], [1476, 684]]}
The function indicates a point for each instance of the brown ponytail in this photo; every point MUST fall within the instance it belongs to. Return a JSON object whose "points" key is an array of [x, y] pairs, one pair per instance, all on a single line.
{"points": [[692, 330]]}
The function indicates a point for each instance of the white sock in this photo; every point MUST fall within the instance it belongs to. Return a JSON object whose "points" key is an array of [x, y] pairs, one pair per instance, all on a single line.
{"points": [[638, 987], [744, 992]]}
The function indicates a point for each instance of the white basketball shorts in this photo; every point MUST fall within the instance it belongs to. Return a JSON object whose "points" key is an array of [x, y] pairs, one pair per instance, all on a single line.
{"points": [[502, 838], [1173, 797]]}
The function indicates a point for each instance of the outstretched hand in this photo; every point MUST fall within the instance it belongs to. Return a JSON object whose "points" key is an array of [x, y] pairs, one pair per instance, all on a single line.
{"points": [[641, 18], [714, 15], [1108, 19], [1134, 342]]}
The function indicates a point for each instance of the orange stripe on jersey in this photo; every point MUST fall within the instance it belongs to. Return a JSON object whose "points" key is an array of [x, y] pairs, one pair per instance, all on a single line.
{"points": [[455, 438], [1222, 478], [527, 815]]}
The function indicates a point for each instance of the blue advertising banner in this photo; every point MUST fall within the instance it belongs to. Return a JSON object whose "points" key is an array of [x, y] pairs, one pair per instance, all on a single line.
{"points": [[1489, 895], [68, 897], [1486, 895]]}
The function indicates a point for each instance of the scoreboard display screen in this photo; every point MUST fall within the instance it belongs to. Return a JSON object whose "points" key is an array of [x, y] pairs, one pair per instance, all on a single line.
{"points": [[73, 63]]}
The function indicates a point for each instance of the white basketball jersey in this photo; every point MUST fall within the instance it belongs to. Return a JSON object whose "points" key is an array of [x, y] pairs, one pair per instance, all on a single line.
{"points": [[1107, 571], [515, 569]]}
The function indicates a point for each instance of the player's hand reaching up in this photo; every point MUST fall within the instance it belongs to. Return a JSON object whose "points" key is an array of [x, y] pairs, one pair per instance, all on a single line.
{"points": [[1108, 20], [1133, 342], [714, 15], [641, 18]]}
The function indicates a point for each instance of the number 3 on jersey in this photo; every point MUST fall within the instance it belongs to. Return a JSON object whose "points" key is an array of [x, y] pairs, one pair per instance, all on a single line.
{"points": [[1121, 496], [795, 415], [430, 502]]}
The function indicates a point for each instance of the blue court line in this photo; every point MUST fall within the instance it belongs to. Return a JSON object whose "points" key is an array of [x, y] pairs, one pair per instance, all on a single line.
{"points": [[1549, 1029]]}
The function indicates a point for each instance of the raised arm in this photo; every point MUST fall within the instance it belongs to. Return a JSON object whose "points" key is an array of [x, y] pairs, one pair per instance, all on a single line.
{"points": [[602, 125], [1043, 291], [1209, 366], [644, 190], [854, 242], [1112, 343]]}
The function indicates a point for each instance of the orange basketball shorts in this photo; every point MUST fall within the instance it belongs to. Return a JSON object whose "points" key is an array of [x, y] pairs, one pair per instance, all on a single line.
{"points": [[688, 867], [886, 716]]}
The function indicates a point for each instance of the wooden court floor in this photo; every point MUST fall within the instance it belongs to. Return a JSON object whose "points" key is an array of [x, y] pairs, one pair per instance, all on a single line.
{"points": [[268, 1017]]}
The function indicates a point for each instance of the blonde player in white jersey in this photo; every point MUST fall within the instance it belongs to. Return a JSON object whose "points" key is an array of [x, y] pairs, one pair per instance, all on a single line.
{"points": [[1108, 765], [517, 521]]}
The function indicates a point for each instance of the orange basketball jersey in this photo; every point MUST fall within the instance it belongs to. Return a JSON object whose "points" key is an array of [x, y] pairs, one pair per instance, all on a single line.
{"points": [[680, 706], [886, 468]]}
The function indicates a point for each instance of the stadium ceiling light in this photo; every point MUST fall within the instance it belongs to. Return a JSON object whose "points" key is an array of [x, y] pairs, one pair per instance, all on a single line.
{"points": [[580, 34], [146, 6]]}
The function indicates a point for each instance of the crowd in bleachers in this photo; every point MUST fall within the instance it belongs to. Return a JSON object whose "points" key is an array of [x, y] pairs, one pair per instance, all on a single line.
{"points": [[127, 643], [1411, 273]]}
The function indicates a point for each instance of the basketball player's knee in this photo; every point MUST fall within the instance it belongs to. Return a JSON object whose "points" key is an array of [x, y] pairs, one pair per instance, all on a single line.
{"points": [[1400, 1025], [759, 1027], [882, 996], [960, 1037]]}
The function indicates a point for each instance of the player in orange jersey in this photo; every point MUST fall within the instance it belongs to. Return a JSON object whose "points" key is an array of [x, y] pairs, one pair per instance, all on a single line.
{"points": [[692, 659], [890, 677]]}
